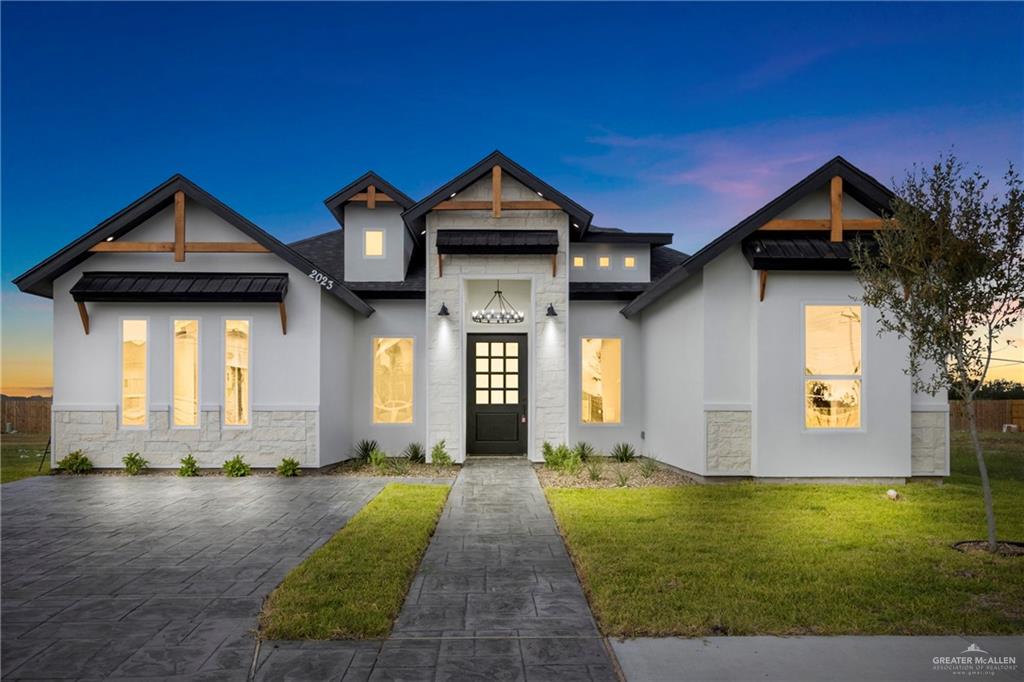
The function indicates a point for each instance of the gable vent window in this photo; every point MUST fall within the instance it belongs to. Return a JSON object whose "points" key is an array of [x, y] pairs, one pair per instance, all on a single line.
{"points": [[832, 366], [134, 373], [373, 243], [578, 261], [629, 262], [604, 262]]}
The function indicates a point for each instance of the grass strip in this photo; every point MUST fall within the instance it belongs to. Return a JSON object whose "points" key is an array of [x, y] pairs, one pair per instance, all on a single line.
{"points": [[354, 585], [749, 559]]}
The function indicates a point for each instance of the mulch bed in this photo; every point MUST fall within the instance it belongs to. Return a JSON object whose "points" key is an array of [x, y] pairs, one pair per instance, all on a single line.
{"points": [[1003, 548], [661, 477], [362, 469]]}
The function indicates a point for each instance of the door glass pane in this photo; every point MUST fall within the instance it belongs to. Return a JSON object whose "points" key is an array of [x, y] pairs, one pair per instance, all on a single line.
{"points": [[832, 335], [236, 372], [832, 404], [512, 349], [497, 381], [512, 397], [392, 380], [497, 365], [481, 349], [133, 373], [481, 397], [481, 380], [512, 365], [601, 370], [482, 365], [497, 349], [186, 372], [497, 397], [512, 381]]}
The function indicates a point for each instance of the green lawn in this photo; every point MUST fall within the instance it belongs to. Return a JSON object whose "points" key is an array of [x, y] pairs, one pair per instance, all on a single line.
{"points": [[802, 559], [354, 585], [19, 456]]}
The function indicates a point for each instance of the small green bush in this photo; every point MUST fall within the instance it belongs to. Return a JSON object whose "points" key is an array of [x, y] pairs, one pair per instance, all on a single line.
{"points": [[647, 467], [623, 452], [548, 450], [189, 466], [584, 450], [400, 465], [75, 463], [288, 467], [562, 458], [378, 458], [439, 455], [594, 469], [415, 453], [621, 478], [134, 463], [364, 448], [236, 467]]}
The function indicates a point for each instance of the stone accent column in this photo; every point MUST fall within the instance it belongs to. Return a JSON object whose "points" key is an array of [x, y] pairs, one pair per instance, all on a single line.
{"points": [[728, 437], [929, 446]]}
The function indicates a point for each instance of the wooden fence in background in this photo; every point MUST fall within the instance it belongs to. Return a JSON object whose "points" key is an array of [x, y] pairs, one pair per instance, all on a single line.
{"points": [[26, 415], [992, 414]]}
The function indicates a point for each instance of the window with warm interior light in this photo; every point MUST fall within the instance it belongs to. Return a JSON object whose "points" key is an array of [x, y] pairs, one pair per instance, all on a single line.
{"points": [[236, 372], [186, 372], [629, 262], [601, 381], [133, 373], [578, 261], [373, 243], [832, 366], [604, 261], [392, 380]]}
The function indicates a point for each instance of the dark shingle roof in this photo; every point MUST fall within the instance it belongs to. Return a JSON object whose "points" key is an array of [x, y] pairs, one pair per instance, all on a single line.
{"points": [[181, 287], [614, 235], [497, 241], [328, 249]]}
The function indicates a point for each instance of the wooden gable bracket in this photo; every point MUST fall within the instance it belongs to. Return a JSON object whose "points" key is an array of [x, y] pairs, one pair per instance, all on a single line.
{"points": [[284, 318], [171, 247], [371, 197], [517, 205], [84, 314], [835, 224], [378, 197], [496, 192], [762, 282], [179, 226], [835, 209]]}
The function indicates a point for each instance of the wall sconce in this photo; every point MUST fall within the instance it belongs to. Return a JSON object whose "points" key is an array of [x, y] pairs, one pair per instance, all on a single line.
{"points": [[443, 312], [551, 310]]}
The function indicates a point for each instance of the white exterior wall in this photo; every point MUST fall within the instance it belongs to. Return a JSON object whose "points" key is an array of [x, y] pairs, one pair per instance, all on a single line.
{"points": [[616, 270], [336, 384], [285, 382], [601, 319], [391, 319], [397, 243], [673, 351]]}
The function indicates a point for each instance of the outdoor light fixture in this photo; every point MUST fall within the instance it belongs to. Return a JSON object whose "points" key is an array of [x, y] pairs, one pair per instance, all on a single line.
{"points": [[110, 239], [551, 310], [443, 312], [503, 313]]}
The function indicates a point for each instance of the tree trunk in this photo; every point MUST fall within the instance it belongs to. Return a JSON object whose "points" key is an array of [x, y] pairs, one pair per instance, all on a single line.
{"points": [[986, 488]]}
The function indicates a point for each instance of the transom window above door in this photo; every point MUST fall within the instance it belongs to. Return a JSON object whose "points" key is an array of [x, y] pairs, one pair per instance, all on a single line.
{"points": [[496, 366]]}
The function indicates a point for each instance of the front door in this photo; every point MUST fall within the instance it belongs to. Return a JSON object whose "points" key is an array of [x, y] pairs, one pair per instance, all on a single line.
{"points": [[496, 393]]}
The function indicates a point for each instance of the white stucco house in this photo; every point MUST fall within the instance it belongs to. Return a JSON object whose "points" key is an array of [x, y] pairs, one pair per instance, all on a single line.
{"points": [[181, 327]]}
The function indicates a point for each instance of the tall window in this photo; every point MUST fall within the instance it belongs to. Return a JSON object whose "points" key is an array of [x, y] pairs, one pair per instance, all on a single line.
{"points": [[236, 372], [133, 373], [186, 372], [392, 381], [832, 366], [601, 369], [373, 243]]}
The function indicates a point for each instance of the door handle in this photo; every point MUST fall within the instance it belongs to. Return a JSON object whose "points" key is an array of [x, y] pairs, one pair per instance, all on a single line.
{"points": [[522, 419]]}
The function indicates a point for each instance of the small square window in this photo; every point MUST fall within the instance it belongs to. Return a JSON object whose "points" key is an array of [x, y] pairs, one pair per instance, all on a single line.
{"points": [[629, 262], [604, 261], [578, 261], [373, 243]]}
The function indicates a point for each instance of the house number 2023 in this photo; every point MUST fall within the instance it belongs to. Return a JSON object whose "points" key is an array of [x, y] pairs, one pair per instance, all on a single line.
{"points": [[322, 279]]}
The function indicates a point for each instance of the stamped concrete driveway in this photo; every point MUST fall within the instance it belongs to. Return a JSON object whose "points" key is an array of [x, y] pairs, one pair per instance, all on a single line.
{"points": [[109, 576]]}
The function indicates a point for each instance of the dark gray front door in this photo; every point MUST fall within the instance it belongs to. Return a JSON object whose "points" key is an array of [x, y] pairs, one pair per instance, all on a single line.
{"points": [[496, 394]]}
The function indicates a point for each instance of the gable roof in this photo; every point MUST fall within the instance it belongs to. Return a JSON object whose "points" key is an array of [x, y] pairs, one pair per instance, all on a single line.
{"points": [[39, 279], [415, 216], [867, 190], [336, 202]]}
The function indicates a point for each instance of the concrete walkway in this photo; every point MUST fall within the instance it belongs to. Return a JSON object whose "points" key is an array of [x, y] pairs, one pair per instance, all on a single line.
{"points": [[838, 659], [496, 598]]}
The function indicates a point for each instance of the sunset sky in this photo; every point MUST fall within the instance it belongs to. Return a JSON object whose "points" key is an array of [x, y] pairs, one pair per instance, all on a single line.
{"points": [[668, 117]]}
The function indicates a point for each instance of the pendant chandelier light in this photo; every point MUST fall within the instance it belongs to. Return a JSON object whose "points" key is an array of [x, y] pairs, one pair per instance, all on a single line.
{"points": [[499, 310]]}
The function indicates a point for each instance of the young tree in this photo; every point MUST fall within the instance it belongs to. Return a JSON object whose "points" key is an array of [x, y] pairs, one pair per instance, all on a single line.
{"points": [[947, 274]]}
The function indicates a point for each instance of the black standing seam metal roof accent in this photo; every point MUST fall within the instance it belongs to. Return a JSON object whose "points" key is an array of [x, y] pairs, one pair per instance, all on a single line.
{"points": [[182, 287], [812, 252], [39, 279], [497, 241], [414, 216], [336, 202], [858, 184], [613, 235]]}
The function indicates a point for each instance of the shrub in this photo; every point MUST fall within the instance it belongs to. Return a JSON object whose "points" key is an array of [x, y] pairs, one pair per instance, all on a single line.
{"points": [[134, 463], [400, 465], [236, 467], [562, 458], [547, 449], [378, 458], [572, 464], [621, 478], [585, 450], [439, 455], [364, 448], [75, 463], [647, 467], [415, 453], [288, 467], [594, 469], [623, 452], [189, 466]]}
